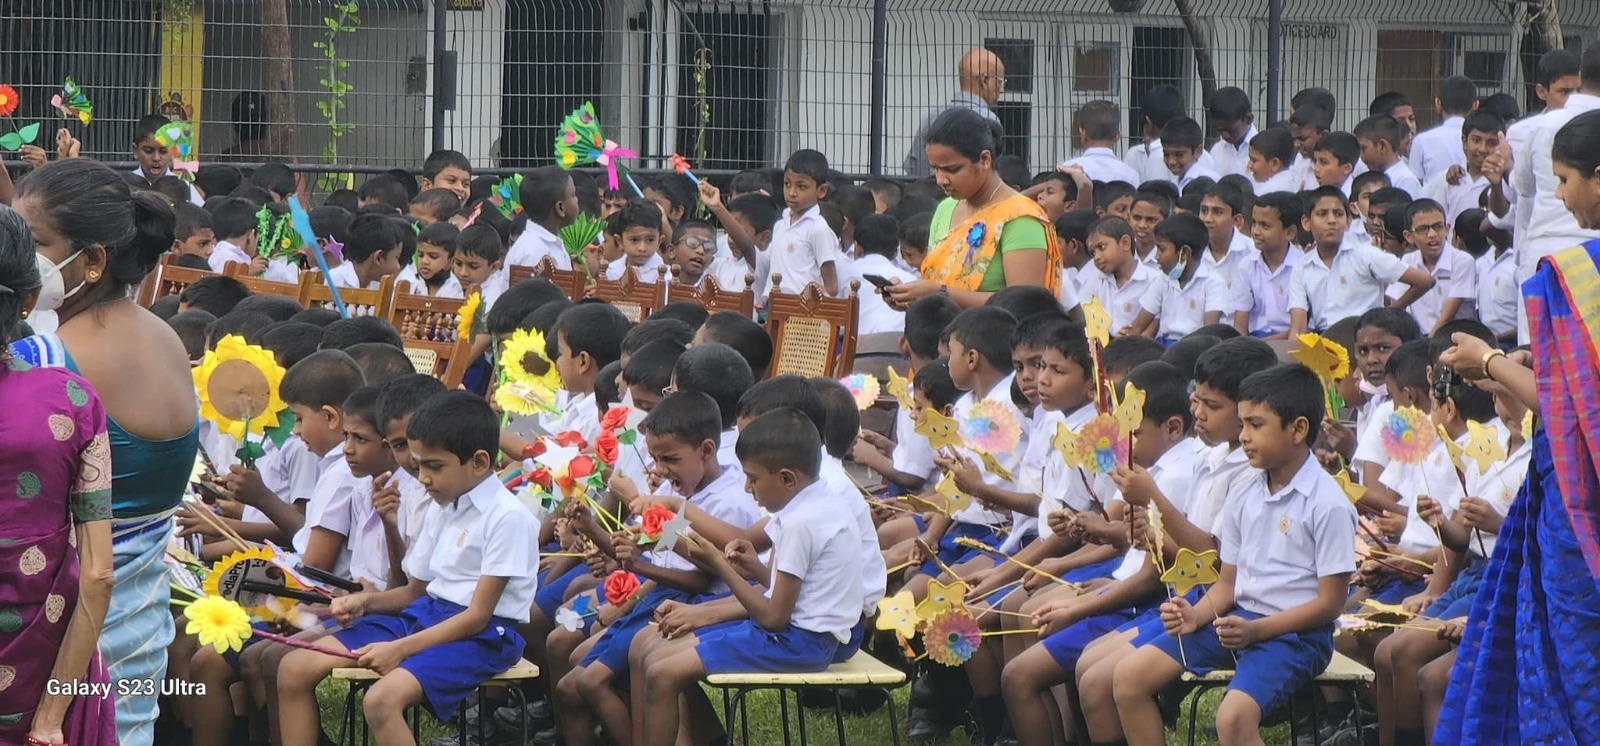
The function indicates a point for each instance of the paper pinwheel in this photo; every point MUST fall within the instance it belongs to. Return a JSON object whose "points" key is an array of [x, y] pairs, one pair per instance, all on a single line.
{"points": [[900, 389], [580, 142], [952, 638], [72, 103], [1104, 443], [507, 196], [1190, 569], [681, 165], [178, 139], [898, 613], [1408, 435], [1096, 321], [863, 388], [991, 426], [942, 597], [1130, 411], [941, 431]]}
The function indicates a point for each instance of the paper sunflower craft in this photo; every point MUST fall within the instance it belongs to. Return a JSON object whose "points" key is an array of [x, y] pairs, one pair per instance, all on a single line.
{"points": [[530, 378], [952, 637], [467, 317], [863, 388], [992, 427], [238, 385], [1408, 435], [236, 577]]}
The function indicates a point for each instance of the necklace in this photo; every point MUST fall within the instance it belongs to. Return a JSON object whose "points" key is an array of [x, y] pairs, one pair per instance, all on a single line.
{"points": [[985, 200]]}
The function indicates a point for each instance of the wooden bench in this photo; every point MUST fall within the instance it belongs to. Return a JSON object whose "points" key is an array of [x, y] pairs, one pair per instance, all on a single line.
{"points": [[862, 670], [360, 679], [1341, 673]]}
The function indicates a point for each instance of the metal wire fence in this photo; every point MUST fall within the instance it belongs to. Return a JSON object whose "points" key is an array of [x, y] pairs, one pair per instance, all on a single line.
{"points": [[729, 84]]}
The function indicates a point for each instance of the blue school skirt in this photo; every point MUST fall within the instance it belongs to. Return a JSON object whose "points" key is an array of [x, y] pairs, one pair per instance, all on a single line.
{"points": [[743, 646], [450, 672]]}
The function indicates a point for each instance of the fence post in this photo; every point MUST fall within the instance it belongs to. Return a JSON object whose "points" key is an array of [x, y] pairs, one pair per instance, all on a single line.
{"points": [[880, 84], [444, 73], [1274, 56]]}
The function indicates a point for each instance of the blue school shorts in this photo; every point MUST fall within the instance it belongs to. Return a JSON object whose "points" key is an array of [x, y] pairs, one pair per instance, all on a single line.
{"points": [[1147, 625], [1456, 600], [1268, 672], [450, 672], [743, 646], [1081, 575], [1397, 588], [231, 657], [1067, 645], [611, 649], [550, 595], [952, 554], [858, 634]]}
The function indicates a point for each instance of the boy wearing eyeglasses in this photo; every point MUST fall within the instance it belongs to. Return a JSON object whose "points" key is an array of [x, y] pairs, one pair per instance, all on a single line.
{"points": [[1454, 272], [693, 247]]}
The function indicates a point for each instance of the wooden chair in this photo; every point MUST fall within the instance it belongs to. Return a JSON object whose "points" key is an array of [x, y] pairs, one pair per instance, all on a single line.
{"points": [[573, 282], [428, 326], [812, 334], [359, 302], [170, 279], [636, 298], [710, 295], [241, 272]]}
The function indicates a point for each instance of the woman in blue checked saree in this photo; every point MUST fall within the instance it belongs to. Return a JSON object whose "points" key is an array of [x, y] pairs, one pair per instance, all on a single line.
{"points": [[1527, 670], [95, 240]]}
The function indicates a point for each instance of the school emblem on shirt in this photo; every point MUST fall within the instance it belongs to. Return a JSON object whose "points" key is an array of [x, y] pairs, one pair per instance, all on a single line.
{"points": [[1283, 525], [461, 538], [1191, 304]]}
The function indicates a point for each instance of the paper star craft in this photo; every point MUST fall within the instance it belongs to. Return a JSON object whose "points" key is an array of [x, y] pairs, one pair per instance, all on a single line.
{"points": [[955, 500], [671, 532], [1351, 490], [942, 598], [898, 613], [900, 388], [1130, 411], [1190, 569], [941, 431], [991, 465], [1096, 321], [1483, 446]]}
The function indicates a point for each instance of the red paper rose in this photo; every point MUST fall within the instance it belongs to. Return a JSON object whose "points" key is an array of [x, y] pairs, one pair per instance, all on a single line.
{"points": [[654, 518], [616, 417], [541, 477], [620, 586], [580, 467], [534, 449], [605, 447], [571, 438]]}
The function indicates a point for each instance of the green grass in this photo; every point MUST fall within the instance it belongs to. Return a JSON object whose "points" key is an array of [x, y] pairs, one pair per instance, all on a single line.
{"points": [[766, 727]]}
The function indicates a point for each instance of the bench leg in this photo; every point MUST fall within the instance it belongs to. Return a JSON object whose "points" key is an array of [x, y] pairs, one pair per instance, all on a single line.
{"points": [[800, 714], [838, 714], [344, 715], [783, 708], [1194, 711], [894, 717]]}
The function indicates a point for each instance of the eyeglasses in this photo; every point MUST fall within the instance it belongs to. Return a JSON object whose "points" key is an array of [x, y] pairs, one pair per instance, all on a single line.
{"points": [[695, 243], [1428, 230]]}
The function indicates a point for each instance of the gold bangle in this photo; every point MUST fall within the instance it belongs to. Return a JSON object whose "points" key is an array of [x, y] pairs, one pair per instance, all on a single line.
{"points": [[1488, 356]]}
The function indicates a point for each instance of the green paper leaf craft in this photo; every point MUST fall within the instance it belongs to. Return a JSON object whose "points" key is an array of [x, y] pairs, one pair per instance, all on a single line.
{"points": [[14, 141], [580, 235], [628, 437], [507, 197], [280, 434], [249, 452], [178, 139]]}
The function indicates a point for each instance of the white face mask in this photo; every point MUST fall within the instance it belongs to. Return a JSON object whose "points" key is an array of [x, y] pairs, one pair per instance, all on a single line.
{"points": [[52, 292], [1372, 391], [1176, 272]]}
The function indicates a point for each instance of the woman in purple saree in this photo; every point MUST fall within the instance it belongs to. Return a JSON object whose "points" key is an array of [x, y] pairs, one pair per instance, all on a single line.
{"points": [[55, 539]]}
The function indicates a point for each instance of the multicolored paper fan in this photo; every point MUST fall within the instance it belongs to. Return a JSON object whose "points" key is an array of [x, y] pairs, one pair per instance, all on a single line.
{"points": [[1408, 435], [72, 103], [952, 637], [507, 196], [580, 142], [178, 139], [991, 426], [1104, 443], [863, 388]]}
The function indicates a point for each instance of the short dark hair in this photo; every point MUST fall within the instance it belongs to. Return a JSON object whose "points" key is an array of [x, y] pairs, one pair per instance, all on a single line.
{"points": [[1073, 225], [783, 391], [1184, 353], [518, 301], [1036, 330], [1100, 120], [749, 182], [652, 365], [346, 333], [1236, 200], [745, 336], [1387, 102], [362, 404], [856, 202], [1442, 340], [878, 234], [231, 217], [331, 221], [1161, 199], [781, 439], [258, 197], [1482, 121], [380, 362], [1023, 301], [1166, 392], [1468, 226], [1380, 128], [458, 422], [1392, 320], [758, 209], [319, 317], [385, 190], [1457, 94], [276, 178], [217, 178], [370, 234], [843, 418], [189, 219], [1185, 229], [439, 160], [1343, 146], [1364, 178], [933, 380], [404, 395], [1555, 65], [1326, 192], [1500, 106], [886, 190], [690, 224], [593, 328], [324, 378], [216, 294], [669, 329], [986, 329], [607, 391], [1290, 391], [637, 213], [1286, 205], [1408, 365], [718, 371], [1124, 353], [809, 163], [1161, 104], [1421, 206], [440, 202], [684, 416], [543, 319], [290, 341], [690, 313], [1229, 104], [1314, 96], [1182, 132], [443, 235], [915, 228], [279, 307], [147, 125], [1110, 192], [1227, 364], [1274, 143], [1312, 116], [542, 188], [1112, 227], [481, 241]]}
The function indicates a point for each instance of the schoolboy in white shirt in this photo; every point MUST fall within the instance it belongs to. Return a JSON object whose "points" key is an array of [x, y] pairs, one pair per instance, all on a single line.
{"points": [[1435, 151], [1341, 278], [1269, 166], [1099, 133], [1118, 280], [1229, 248], [399, 400], [372, 252], [1230, 115], [638, 224], [1481, 136], [1182, 138], [1193, 295], [1379, 137], [804, 249], [1261, 295], [551, 202], [1454, 271]]}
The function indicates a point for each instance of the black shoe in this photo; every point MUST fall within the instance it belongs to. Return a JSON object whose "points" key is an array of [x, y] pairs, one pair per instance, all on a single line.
{"points": [[818, 699], [924, 692], [1367, 735], [925, 728], [537, 715], [863, 701], [545, 737]]}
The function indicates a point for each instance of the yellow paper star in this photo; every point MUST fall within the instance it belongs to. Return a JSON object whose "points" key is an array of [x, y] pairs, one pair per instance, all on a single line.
{"points": [[941, 431], [991, 465], [1096, 322], [1325, 357], [1069, 446], [1483, 446], [898, 613], [955, 500], [900, 388], [1130, 411], [1527, 424], [1190, 569], [1451, 447], [942, 598], [1351, 490]]}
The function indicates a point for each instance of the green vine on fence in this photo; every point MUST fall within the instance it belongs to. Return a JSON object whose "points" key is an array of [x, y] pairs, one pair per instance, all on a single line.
{"points": [[346, 21], [702, 107]]}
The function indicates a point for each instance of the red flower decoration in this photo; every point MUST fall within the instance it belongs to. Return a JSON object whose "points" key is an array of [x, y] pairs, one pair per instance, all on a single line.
{"points": [[534, 449], [605, 447], [580, 467], [620, 586], [541, 477], [8, 101], [616, 417], [653, 519], [571, 438]]}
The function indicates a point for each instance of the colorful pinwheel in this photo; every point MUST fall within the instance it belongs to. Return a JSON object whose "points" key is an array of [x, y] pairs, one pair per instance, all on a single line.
{"points": [[72, 103], [1102, 439], [952, 638], [579, 142], [863, 388], [991, 426], [1408, 435], [681, 165]]}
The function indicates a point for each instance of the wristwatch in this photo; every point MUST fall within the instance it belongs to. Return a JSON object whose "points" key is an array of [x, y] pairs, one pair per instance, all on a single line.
{"points": [[1490, 355]]}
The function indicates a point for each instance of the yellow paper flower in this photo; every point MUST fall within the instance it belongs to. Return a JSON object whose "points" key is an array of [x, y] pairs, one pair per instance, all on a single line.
{"points": [[942, 598], [523, 360], [1325, 357], [238, 387], [253, 564], [468, 314], [898, 613], [517, 397], [218, 622]]}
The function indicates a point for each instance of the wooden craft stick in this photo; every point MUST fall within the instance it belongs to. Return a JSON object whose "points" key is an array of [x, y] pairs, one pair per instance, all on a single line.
{"points": [[986, 549], [210, 519]]}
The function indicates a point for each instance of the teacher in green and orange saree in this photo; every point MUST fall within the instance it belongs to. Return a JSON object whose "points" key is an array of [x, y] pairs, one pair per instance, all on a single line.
{"points": [[986, 237]]}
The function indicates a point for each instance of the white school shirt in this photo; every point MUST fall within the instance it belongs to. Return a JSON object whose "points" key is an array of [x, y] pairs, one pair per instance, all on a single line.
{"points": [[1401, 177], [1282, 543], [579, 415], [1304, 170], [1121, 303], [818, 544], [837, 486], [414, 505], [1264, 293], [1227, 158], [365, 537], [1220, 471], [1102, 165], [534, 244], [1498, 294], [1063, 486], [1181, 309], [1520, 177], [1173, 474], [1369, 434], [800, 245], [730, 270], [344, 276], [1352, 284], [1196, 170], [1433, 476], [1551, 227], [727, 454], [1433, 152], [874, 316], [1030, 475], [492, 288], [408, 281], [289, 472], [650, 271], [486, 531], [1148, 258], [724, 499], [1009, 460], [225, 253], [1069, 288], [1498, 486], [913, 454], [335, 489], [1232, 266], [1287, 180], [1455, 276], [1147, 160], [1459, 198]]}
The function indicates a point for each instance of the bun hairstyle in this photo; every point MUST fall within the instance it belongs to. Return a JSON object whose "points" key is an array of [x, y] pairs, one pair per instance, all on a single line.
{"points": [[89, 204], [967, 132], [19, 271]]}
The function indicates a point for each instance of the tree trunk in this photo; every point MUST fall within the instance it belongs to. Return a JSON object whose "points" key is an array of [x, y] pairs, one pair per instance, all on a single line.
{"points": [[1202, 50], [1546, 25], [279, 77]]}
